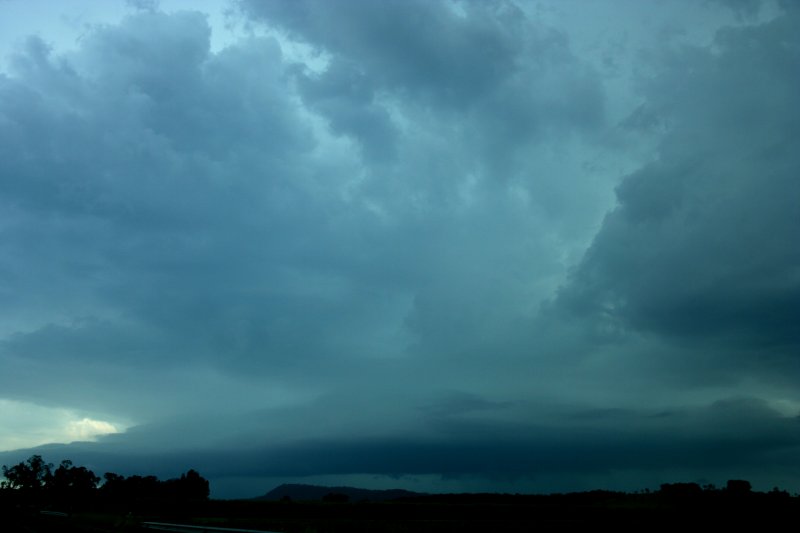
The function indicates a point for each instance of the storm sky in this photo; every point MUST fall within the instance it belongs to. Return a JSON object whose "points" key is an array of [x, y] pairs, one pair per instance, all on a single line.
{"points": [[449, 245]]}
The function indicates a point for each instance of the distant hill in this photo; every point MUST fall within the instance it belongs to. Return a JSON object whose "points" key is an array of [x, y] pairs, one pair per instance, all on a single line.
{"points": [[300, 492]]}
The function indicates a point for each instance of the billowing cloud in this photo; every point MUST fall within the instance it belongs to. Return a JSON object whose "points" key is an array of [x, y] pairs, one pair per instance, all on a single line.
{"points": [[701, 246]]}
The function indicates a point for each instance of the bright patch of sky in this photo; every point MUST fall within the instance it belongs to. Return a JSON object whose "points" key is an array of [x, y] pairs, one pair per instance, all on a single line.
{"points": [[26, 425]]}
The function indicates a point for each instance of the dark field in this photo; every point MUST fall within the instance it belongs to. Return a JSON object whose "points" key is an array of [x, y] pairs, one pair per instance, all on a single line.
{"points": [[664, 509]]}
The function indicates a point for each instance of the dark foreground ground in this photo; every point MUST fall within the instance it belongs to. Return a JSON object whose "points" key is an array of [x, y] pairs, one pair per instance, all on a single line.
{"points": [[442, 513]]}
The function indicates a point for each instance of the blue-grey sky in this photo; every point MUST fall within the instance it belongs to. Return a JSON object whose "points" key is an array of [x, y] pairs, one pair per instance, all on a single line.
{"points": [[439, 245]]}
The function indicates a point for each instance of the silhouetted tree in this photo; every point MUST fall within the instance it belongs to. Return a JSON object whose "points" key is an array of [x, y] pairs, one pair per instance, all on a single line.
{"points": [[738, 487], [143, 487], [29, 476], [193, 486], [70, 482], [681, 491], [190, 486], [113, 486]]}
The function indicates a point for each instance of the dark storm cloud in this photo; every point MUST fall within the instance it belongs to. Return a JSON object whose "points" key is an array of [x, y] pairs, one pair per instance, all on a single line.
{"points": [[420, 47], [344, 95], [498, 77], [463, 103], [166, 205], [151, 217], [702, 246], [324, 252], [744, 8]]}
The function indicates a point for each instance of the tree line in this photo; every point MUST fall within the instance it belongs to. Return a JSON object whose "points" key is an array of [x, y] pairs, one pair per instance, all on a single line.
{"points": [[34, 480]]}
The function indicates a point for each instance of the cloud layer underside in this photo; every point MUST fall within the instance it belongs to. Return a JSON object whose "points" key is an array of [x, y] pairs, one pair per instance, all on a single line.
{"points": [[611, 449]]}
